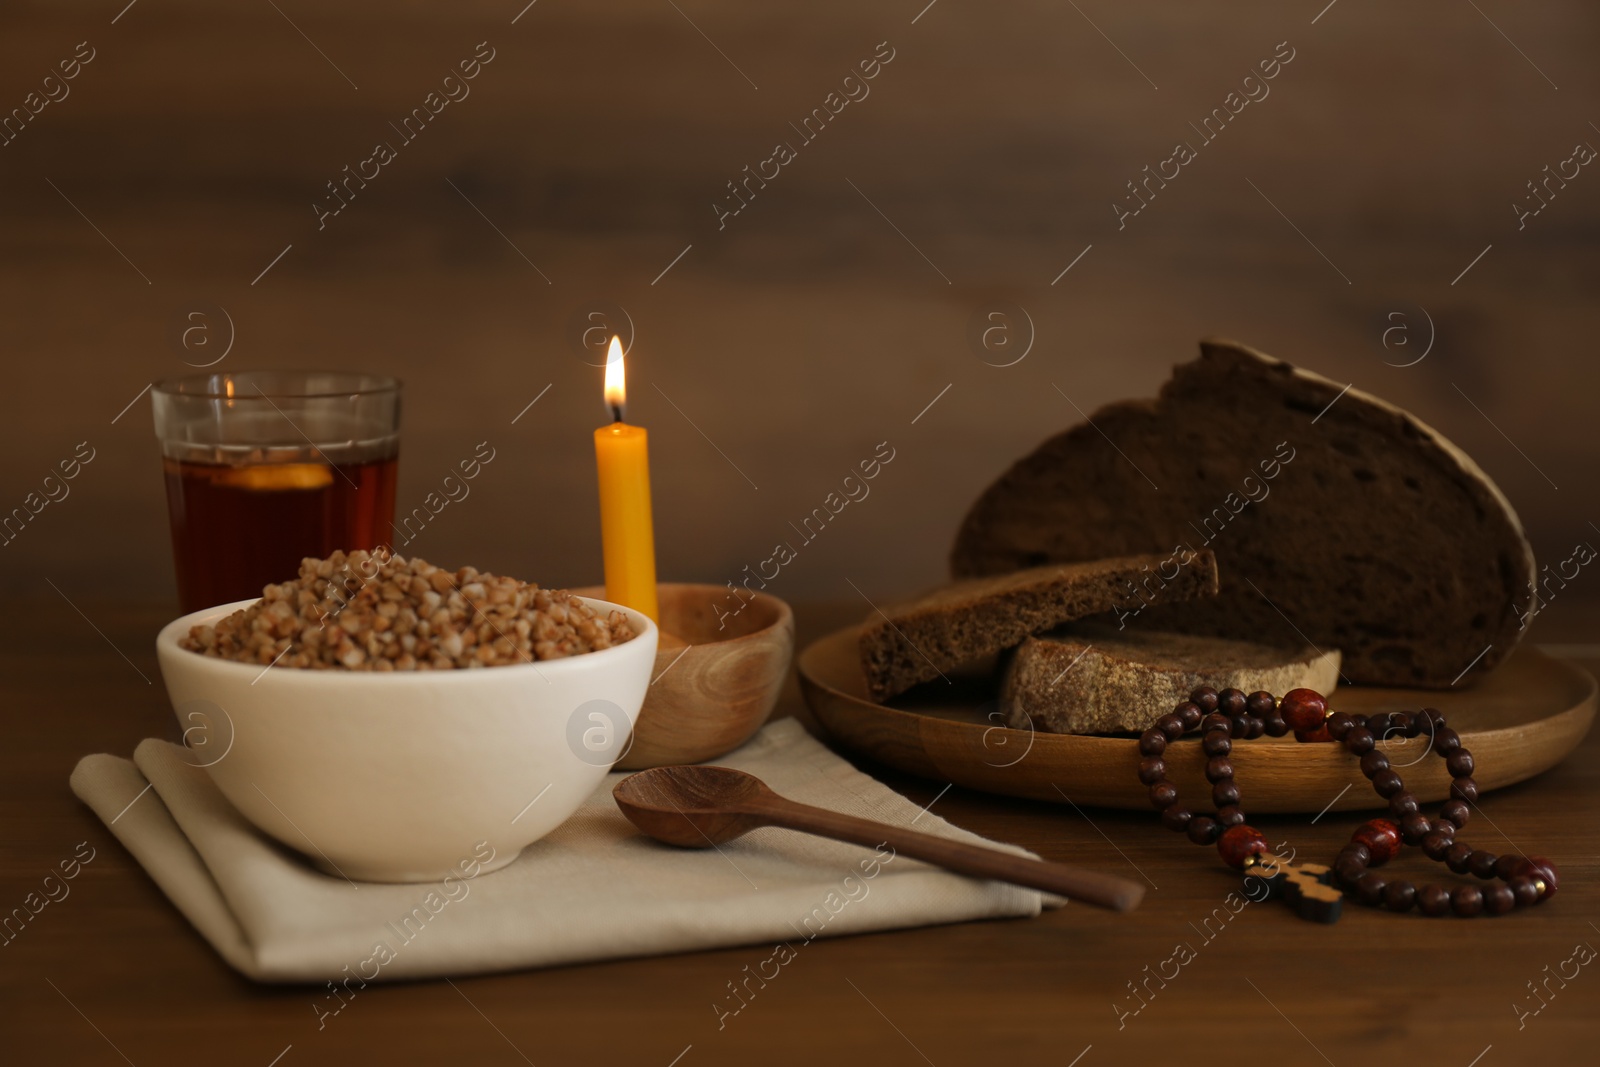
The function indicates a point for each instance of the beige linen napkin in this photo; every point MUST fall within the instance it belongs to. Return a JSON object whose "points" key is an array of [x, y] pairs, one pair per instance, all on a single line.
{"points": [[593, 889]]}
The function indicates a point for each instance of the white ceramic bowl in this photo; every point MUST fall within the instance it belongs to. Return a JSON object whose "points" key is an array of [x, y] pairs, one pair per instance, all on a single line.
{"points": [[403, 776]]}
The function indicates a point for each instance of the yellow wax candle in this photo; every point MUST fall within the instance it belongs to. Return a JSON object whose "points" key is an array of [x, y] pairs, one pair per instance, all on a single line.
{"points": [[627, 534]]}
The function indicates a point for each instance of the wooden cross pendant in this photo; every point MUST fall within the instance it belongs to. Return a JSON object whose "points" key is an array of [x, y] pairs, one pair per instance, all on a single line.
{"points": [[1307, 888]]}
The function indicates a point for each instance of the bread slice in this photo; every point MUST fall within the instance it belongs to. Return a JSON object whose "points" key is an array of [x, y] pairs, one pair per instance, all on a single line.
{"points": [[919, 641], [1338, 520], [1090, 679]]}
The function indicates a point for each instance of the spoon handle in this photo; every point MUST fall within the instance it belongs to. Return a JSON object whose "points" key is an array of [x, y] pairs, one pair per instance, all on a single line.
{"points": [[1090, 887]]}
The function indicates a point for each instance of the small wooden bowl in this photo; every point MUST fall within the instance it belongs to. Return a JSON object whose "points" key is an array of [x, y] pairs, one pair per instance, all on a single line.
{"points": [[712, 688]]}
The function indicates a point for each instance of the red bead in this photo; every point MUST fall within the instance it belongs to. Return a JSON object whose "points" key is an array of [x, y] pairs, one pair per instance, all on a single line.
{"points": [[1303, 709], [1544, 871], [1239, 843], [1382, 839]]}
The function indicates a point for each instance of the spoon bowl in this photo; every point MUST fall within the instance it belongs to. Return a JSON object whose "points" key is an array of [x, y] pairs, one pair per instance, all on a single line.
{"points": [[692, 807]]}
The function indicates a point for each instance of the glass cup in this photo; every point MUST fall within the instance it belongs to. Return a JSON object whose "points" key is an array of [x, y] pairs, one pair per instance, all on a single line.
{"points": [[265, 468]]}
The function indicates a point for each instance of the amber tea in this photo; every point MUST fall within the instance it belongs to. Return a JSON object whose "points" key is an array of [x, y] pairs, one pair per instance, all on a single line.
{"points": [[265, 469], [238, 528]]}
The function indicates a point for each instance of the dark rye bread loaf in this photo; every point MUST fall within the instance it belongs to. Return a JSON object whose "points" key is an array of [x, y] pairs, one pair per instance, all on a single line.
{"points": [[1338, 520], [920, 640]]}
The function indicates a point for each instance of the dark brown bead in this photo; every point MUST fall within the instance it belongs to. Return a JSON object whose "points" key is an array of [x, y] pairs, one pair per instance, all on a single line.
{"points": [[1388, 782], [1216, 744], [1163, 795], [1219, 769], [1303, 709], [1203, 829], [1189, 714], [1433, 900], [1459, 763], [1457, 856], [1373, 762], [1414, 827], [1238, 726], [1176, 818], [1348, 871], [1508, 866], [1230, 815], [1152, 770], [1152, 742], [1260, 703], [1481, 863], [1435, 845], [1216, 722], [1339, 724], [1318, 736], [1206, 697], [1275, 726], [1464, 789], [1356, 850], [1429, 720], [1498, 899], [1378, 723], [1524, 890], [1370, 887], [1358, 740], [1466, 901], [1231, 702], [1403, 804], [1254, 727], [1399, 896], [1170, 725], [1456, 811], [1224, 793], [1446, 741]]}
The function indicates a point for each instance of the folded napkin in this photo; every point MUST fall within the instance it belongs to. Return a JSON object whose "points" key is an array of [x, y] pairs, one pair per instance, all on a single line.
{"points": [[593, 889]]}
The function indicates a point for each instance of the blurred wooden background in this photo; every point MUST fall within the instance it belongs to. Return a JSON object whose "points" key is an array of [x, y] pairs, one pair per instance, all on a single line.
{"points": [[777, 352]]}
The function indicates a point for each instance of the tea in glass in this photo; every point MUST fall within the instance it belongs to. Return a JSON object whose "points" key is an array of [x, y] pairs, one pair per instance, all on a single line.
{"points": [[266, 468]]}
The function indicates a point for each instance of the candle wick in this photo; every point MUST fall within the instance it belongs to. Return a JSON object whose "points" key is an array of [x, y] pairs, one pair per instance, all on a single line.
{"points": [[616, 412]]}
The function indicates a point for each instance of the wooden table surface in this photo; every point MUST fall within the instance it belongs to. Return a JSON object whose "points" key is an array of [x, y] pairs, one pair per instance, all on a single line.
{"points": [[113, 973]]}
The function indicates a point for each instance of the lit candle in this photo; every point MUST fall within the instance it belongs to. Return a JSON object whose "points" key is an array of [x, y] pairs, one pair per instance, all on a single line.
{"points": [[626, 532]]}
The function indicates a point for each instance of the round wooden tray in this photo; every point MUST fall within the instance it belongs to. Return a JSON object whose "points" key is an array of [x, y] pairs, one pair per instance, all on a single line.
{"points": [[1522, 719]]}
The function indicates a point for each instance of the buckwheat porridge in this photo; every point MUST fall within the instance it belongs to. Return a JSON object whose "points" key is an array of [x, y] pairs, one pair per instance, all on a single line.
{"points": [[376, 611]]}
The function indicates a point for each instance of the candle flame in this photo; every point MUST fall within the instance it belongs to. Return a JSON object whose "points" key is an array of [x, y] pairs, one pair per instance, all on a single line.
{"points": [[616, 386]]}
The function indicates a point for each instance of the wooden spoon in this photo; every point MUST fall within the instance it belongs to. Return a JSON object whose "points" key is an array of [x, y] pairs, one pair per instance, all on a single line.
{"points": [[698, 807]]}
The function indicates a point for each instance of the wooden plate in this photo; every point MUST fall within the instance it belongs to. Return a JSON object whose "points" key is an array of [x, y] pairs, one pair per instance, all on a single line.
{"points": [[1522, 719]]}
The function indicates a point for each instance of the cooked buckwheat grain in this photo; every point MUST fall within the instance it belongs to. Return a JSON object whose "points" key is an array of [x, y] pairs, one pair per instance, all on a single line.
{"points": [[376, 611]]}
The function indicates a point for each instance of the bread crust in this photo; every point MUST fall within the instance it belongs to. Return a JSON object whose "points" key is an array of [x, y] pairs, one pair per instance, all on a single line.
{"points": [[921, 640], [1380, 538]]}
